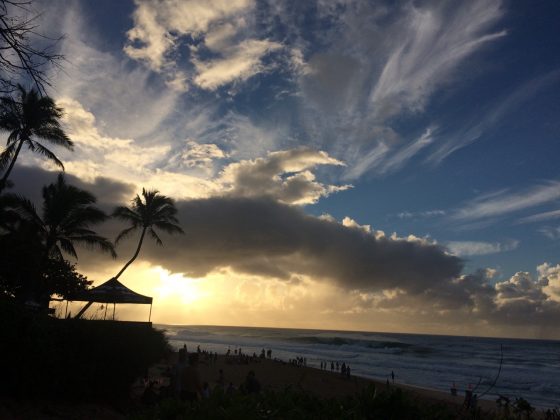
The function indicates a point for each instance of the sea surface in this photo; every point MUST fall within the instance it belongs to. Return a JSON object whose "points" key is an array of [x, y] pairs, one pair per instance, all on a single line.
{"points": [[492, 366]]}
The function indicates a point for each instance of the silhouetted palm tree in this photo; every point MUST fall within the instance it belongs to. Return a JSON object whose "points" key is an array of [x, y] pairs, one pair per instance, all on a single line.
{"points": [[27, 119], [68, 213], [154, 211]]}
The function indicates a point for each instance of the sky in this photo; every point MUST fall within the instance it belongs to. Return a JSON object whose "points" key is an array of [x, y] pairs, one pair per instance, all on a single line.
{"points": [[342, 164]]}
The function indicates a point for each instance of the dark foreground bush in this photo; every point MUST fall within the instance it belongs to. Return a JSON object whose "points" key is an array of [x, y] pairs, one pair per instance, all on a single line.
{"points": [[73, 359], [289, 404]]}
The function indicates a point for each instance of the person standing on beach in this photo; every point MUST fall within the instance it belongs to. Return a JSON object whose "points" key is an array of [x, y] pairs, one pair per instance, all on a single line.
{"points": [[332, 366], [393, 376], [192, 386]]}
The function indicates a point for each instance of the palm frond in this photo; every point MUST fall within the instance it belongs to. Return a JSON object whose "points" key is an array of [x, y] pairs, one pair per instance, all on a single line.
{"points": [[168, 227], [96, 241], [155, 237], [68, 247], [7, 155], [39, 148], [123, 234]]}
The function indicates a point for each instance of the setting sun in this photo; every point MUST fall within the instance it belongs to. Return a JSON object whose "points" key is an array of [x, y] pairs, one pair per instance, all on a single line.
{"points": [[176, 285]]}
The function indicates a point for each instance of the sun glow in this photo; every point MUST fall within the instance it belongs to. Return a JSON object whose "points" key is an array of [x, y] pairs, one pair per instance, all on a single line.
{"points": [[175, 285]]}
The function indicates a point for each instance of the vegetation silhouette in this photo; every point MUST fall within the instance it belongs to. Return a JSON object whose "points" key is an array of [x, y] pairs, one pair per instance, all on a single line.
{"points": [[67, 216], [19, 55], [152, 210], [29, 119], [68, 213]]}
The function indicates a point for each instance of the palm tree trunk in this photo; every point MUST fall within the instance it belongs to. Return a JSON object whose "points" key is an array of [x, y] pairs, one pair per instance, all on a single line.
{"points": [[135, 254], [12, 163]]}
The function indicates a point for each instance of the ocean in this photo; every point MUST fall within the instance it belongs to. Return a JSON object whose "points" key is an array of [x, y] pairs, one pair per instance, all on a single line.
{"points": [[519, 368]]}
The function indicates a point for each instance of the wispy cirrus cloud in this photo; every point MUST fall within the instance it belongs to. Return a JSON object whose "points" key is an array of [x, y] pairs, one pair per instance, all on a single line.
{"points": [[541, 217], [487, 119], [360, 86], [471, 248], [432, 43], [505, 202]]}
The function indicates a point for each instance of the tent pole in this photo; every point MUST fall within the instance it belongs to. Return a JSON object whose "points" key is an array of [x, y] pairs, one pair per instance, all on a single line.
{"points": [[150, 316], [114, 304]]}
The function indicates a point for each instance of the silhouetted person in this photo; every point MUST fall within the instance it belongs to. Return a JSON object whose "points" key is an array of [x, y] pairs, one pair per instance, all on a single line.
{"points": [[221, 381], [205, 390], [332, 366], [454, 390], [393, 376], [252, 386], [192, 387], [230, 389], [269, 353], [177, 374]]}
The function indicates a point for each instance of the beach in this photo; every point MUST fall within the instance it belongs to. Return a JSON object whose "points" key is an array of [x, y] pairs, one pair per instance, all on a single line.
{"points": [[490, 366], [279, 375]]}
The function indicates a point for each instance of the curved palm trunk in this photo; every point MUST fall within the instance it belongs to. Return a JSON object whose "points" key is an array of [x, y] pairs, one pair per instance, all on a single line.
{"points": [[12, 163], [135, 254]]}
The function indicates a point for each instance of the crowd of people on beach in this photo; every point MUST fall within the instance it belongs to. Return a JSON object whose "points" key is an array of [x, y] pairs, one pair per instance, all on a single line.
{"points": [[343, 368], [184, 381]]}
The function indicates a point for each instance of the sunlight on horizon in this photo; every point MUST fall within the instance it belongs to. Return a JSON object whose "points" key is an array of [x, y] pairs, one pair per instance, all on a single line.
{"points": [[177, 285]]}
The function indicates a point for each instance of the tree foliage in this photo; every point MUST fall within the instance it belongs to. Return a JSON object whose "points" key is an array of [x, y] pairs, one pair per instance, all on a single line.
{"points": [[29, 119], [21, 53], [152, 210]]}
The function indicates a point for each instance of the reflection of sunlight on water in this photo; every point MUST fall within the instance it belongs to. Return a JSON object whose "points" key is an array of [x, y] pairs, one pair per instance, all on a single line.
{"points": [[178, 286]]}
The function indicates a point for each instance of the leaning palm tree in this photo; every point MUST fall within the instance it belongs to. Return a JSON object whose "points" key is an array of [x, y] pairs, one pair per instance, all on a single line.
{"points": [[148, 212], [68, 212], [29, 119]]}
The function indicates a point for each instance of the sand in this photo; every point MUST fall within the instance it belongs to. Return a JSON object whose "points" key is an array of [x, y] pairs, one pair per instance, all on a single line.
{"points": [[278, 375]]}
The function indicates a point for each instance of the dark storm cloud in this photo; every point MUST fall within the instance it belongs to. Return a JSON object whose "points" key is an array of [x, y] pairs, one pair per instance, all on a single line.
{"points": [[29, 181], [264, 237]]}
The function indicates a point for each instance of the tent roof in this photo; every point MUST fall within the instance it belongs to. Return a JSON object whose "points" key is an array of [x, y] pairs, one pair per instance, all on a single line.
{"points": [[112, 291]]}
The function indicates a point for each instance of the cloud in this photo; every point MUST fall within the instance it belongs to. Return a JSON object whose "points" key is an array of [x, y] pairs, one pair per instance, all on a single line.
{"points": [[552, 233], [29, 181], [421, 214], [220, 47], [100, 155], [431, 45], [283, 175], [239, 64], [378, 72], [470, 248], [402, 156], [125, 100], [194, 155], [549, 276], [269, 246], [504, 202], [541, 217], [520, 287], [262, 237], [157, 26], [486, 119]]}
